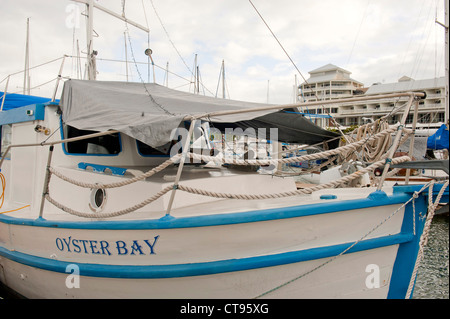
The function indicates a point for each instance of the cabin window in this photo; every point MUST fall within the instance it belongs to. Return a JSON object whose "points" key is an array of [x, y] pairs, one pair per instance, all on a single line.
{"points": [[146, 150], [101, 145], [5, 131]]}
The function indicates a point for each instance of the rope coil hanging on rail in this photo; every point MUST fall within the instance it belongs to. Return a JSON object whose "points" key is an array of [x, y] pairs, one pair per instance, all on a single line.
{"points": [[226, 195], [350, 147]]}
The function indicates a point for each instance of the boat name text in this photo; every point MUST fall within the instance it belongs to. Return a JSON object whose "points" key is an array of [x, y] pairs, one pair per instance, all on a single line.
{"points": [[104, 247]]}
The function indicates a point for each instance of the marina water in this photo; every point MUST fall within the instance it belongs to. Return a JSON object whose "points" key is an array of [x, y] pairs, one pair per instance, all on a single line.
{"points": [[433, 276]]}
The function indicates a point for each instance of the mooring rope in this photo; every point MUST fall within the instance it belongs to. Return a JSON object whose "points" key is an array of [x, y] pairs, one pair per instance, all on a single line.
{"points": [[111, 214], [192, 190], [424, 238], [226, 195], [150, 173]]}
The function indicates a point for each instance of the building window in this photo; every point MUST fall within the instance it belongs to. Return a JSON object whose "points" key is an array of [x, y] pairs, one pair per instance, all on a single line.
{"points": [[409, 119], [425, 118], [353, 121]]}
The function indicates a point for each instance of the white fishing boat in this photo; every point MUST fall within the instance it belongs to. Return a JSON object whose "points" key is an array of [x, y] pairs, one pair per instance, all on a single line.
{"points": [[114, 192], [187, 231]]}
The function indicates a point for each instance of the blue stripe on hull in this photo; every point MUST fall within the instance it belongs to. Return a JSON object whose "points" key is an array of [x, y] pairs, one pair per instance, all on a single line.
{"points": [[408, 251], [168, 222], [205, 268]]}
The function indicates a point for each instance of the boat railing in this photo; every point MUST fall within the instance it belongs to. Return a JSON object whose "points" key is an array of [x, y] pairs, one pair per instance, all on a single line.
{"points": [[385, 161]]}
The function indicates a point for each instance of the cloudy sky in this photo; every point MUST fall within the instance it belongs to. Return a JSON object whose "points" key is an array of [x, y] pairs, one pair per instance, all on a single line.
{"points": [[376, 40]]}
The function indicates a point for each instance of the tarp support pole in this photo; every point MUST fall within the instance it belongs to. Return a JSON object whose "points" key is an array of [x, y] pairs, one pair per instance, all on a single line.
{"points": [[4, 93], [46, 181], [180, 167], [411, 142], [59, 78], [396, 141]]}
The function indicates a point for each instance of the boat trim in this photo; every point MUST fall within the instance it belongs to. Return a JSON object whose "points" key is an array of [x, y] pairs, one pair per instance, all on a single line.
{"points": [[203, 268], [375, 199], [33, 112]]}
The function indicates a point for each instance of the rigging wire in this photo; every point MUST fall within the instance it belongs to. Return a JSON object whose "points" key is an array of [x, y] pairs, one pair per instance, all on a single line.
{"points": [[357, 33], [140, 75], [333, 121], [192, 72], [170, 40], [273, 34]]}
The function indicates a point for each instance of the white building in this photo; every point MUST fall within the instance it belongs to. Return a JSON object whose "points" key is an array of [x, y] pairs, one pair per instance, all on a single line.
{"points": [[329, 82], [431, 109]]}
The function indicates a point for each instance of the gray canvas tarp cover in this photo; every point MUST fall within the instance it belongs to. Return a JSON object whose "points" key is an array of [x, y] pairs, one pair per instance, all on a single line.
{"points": [[150, 112]]}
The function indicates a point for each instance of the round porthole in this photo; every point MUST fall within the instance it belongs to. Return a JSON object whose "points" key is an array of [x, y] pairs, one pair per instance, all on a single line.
{"points": [[97, 200]]}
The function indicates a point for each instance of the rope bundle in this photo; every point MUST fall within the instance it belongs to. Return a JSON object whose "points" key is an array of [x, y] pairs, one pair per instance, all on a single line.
{"points": [[352, 147]]}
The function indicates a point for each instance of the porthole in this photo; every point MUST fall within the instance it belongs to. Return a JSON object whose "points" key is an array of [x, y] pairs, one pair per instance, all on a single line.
{"points": [[97, 199]]}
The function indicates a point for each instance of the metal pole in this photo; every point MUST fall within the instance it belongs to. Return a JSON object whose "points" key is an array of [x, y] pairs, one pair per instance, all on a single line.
{"points": [[445, 25], [287, 106], [411, 142], [27, 61], [4, 93], [68, 140], [223, 79], [91, 72], [180, 167], [395, 143], [46, 181], [59, 78]]}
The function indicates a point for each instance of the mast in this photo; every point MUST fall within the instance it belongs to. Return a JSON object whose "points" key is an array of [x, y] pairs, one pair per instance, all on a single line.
{"points": [[198, 80], [446, 62], [446, 25], [223, 78], [26, 74], [91, 53]]}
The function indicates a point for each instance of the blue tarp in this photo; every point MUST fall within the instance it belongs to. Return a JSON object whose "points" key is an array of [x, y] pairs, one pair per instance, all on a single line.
{"points": [[439, 140], [14, 100]]}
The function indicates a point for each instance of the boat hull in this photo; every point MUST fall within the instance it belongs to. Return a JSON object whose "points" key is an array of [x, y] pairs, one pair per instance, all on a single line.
{"points": [[345, 279], [363, 248]]}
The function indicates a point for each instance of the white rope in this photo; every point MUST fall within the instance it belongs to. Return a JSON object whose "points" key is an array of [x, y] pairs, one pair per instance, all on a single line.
{"points": [[304, 191], [424, 238], [415, 195], [112, 214], [350, 147], [117, 184], [192, 190], [223, 195]]}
